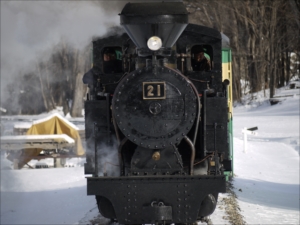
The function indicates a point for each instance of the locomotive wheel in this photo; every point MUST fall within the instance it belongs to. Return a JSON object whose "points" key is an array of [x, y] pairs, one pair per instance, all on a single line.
{"points": [[208, 206], [105, 207], [216, 195]]}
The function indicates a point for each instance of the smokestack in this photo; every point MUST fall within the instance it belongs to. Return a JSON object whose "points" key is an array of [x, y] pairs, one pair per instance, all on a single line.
{"points": [[163, 20]]}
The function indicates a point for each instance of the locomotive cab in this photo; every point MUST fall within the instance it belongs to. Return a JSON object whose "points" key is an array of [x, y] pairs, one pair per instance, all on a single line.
{"points": [[157, 119]]}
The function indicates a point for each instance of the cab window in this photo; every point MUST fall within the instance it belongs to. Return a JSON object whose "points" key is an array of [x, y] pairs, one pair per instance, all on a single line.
{"points": [[201, 58], [112, 60]]}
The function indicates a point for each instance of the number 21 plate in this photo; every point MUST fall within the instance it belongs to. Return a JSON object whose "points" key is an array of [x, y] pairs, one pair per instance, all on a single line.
{"points": [[154, 90]]}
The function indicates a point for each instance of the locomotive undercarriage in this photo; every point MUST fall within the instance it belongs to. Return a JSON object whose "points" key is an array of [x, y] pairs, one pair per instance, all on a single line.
{"points": [[152, 199]]}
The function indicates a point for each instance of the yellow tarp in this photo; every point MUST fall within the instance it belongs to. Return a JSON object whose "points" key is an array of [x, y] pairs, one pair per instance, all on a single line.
{"points": [[54, 125]]}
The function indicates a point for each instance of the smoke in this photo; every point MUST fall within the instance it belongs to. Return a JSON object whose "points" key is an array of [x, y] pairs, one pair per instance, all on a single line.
{"points": [[30, 29], [108, 160]]}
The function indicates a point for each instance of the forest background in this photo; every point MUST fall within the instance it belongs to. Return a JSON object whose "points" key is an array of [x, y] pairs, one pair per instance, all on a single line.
{"points": [[264, 38]]}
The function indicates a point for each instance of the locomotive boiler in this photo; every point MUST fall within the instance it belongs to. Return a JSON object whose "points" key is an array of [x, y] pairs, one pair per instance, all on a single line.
{"points": [[167, 123]]}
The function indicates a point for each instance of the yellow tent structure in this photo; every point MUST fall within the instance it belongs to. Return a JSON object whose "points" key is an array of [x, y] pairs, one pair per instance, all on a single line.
{"points": [[54, 124]]}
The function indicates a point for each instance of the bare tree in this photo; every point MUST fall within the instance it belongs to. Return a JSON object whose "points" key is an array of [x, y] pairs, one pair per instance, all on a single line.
{"points": [[263, 33]]}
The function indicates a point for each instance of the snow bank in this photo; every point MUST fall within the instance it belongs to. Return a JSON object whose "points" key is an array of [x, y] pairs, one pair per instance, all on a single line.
{"points": [[44, 196], [267, 175]]}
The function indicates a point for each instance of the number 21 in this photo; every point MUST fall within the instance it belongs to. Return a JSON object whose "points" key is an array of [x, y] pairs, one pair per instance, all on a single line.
{"points": [[150, 89]]}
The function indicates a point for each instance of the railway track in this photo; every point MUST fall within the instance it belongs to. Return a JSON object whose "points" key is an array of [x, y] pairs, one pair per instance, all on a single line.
{"points": [[232, 209], [100, 220]]}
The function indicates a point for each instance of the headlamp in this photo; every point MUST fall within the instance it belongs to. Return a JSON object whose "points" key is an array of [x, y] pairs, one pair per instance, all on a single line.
{"points": [[154, 43]]}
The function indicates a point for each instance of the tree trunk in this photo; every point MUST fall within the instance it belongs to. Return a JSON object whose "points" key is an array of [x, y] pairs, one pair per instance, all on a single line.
{"points": [[77, 106]]}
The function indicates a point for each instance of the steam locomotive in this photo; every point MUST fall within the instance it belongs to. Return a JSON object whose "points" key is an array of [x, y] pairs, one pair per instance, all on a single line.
{"points": [[158, 130]]}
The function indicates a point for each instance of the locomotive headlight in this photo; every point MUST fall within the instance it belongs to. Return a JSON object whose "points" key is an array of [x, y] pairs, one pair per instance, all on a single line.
{"points": [[154, 43]]}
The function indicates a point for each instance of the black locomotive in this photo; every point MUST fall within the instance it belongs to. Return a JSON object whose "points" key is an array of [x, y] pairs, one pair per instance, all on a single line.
{"points": [[165, 121]]}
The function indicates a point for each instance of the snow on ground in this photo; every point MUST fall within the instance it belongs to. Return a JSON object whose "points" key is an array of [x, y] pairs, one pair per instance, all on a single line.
{"points": [[266, 176], [45, 196]]}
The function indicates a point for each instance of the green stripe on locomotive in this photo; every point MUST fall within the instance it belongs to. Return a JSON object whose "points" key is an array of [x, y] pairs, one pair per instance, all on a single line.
{"points": [[226, 55], [227, 74]]}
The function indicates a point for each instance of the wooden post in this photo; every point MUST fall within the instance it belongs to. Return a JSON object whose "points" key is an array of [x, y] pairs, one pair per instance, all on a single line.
{"points": [[246, 131], [16, 164], [245, 139]]}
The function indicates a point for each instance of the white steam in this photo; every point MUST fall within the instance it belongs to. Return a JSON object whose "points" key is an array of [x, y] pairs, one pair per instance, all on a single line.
{"points": [[108, 160], [29, 30]]}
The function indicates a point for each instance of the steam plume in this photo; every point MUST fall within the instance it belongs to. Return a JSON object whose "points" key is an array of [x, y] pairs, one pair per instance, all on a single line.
{"points": [[29, 29]]}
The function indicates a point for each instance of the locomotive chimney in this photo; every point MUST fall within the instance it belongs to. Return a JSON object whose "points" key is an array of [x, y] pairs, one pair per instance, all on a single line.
{"points": [[154, 26]]}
